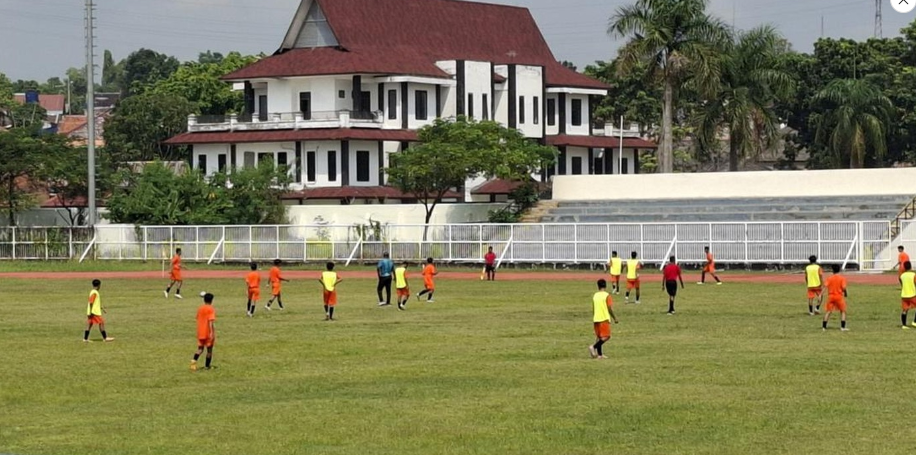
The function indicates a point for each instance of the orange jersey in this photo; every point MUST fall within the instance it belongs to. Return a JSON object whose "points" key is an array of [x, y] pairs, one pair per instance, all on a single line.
{"points": [[275, 275], [176, 263], [836, 284], [254, 280], [709, 258], [205, 314], [429, 271]]}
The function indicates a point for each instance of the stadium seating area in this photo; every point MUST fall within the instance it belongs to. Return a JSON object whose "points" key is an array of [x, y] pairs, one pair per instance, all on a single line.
{"points": [[825, 208]]}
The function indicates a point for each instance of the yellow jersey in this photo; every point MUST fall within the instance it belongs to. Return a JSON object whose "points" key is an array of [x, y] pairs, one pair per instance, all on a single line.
{"points": [[329, 280], [95, 304], [632, 269], [400, 278], [600, 303], [616, 265], [908, 282], [813, 272]]}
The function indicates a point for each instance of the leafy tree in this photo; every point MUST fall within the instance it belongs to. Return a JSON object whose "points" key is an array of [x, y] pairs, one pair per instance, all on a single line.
{"points": [[752, 79], [29, 116], [200, 83], [21, 86], [678, 41], [24, 153], [111, 73], [453, 151], [143, 68], [631, 96], [139, 125], [254, 193], [6, 88], [78, 88], [210, 57], [854, 121], [569, 65], [66, 175]]}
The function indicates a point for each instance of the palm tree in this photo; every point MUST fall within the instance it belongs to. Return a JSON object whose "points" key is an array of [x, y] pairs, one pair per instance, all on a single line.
{"points": [[854, 121], [750, 84], [679, 41]]}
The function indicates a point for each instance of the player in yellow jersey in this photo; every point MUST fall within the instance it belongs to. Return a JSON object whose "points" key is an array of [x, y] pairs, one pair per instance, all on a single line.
{"points": [[602, 313], [814, 280], [615, 266], [329, 281], [632, 265], [402, 286], [94, 312], [907, 293]]}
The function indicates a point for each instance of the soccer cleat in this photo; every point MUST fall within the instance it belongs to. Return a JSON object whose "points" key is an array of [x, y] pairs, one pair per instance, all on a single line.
{"points": [[626, 300], [193, 365], [430, 301], [913, 323], [166, 294], [86, 341], [817, 311], [109, 339], [718, 283], [400, 307], [823, 329], [905, 328], [637, 302], [810, 313], [267, 307], [602, 357], [670, 313], [700, 282], [592, 352], [381, 304], [249, 314], [178, 296], [844, 329]]}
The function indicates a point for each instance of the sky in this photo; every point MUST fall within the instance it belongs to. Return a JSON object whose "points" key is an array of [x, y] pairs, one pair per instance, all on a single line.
{"points": [[42, 38]]}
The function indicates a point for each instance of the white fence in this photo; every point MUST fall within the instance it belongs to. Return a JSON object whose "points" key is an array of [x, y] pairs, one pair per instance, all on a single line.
{"points": [[867, 244]]}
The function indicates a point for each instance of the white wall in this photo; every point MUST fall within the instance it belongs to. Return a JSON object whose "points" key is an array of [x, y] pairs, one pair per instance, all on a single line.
{"points": [[412, 90], [348, 215], [555, 129], [372, 148], [321, 149], [529, 84], [212, 152], [736, 184], [478, 79], [583, 129], [628, 154], [394, 123], [576, 152], [279, 97]]}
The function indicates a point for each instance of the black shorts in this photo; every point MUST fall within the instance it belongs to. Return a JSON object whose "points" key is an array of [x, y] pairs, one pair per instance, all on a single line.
{"points": [[671, 287], [490, 268]]}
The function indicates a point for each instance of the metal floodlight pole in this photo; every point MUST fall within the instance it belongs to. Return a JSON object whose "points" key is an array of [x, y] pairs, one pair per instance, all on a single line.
{"points": [[620, 152], [90, 107]]}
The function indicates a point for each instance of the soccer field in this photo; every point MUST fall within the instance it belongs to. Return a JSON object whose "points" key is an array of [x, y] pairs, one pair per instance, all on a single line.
{"points": [[490, 368]]}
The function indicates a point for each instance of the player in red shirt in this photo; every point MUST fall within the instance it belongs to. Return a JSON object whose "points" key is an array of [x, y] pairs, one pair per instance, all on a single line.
{"points": [[671, 274], [490, 264], [206, 330]]}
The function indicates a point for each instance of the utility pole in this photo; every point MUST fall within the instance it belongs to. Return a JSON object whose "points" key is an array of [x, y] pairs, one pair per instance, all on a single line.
{"points": [[822, 25], [879, 21], [90, 106]]}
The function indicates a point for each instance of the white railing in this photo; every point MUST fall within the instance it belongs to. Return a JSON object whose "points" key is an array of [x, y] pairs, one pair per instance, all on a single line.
{"points": [[866, 244], [285, 121]]}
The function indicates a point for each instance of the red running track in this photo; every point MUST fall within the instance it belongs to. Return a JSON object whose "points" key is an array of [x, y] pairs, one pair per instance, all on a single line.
{"points": [[775, 278]]}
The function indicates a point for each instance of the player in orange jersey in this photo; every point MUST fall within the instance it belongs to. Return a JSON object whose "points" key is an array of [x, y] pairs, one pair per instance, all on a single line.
{"points": [[429, 286], [709, 267], [253, 280], [175, 275], [901, 258], [836, 297], [276, 280], [329, 281], [206, 330]]}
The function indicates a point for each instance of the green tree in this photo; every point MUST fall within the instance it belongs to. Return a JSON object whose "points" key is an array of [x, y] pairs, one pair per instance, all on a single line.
{"points": [[254, 193], [679, 42], [21, 86], [631, 96], [29, 116], [24, 154], [67, 177], [111, 73], [210, 57], [139, 126], [143, 68], [752, 80], [200, 83], [78, 88], [854, 121], [453, 151]]}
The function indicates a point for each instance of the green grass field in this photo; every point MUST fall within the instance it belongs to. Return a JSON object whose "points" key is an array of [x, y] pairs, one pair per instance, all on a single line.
{"points": [[491, 368]]}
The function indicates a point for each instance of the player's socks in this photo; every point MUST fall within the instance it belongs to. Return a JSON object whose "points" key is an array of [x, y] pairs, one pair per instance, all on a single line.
{"points": [[842, 324], [598, 346], [209, 359], [86, 335], [810, 309], [196, 356], [104, 335], [824, 324], [331, 313]]}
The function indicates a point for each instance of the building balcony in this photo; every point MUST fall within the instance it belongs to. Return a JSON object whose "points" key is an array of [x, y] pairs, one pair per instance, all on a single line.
{"points": [[285, 121]]}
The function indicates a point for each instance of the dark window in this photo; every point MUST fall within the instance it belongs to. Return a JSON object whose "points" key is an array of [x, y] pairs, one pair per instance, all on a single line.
{"points": [[310, 166], [392, 105], [341, 94], [422, 106], [577, 112], [551, 111], [521, 110], [221, 162], [470, 105], [262, 157], [624, 166], [362, 166], [281, 159], [598, 165], [365, 102], [305, 105], [202, 163], [536, 111], [248, 159], [298, 165], [577, 165], [486, 107], [332, 166], [262, 108]]}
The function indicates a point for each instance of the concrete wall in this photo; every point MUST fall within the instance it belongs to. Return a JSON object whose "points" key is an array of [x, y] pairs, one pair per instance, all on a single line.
{"points": [[390, 214], [478, 82], [736, 184], [530, 85]]}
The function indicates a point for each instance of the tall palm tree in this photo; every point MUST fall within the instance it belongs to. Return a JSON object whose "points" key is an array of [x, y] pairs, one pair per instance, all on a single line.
{"points": [[750, 84], [680, 42], [854, 121]]}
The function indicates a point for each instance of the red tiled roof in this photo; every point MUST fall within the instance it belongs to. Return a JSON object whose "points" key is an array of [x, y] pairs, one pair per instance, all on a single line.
{"points": [[409, 36], [317, 134], [599, 141], [71, 123], [48, 102], [497, 186], [357, 192]]}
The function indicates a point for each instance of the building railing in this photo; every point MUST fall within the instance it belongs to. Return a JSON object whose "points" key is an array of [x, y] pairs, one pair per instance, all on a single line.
{"points": [[865, 244], [285, 121]]}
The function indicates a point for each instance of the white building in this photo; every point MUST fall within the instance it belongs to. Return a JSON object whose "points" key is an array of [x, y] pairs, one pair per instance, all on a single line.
{"points": [[353, 80]]}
